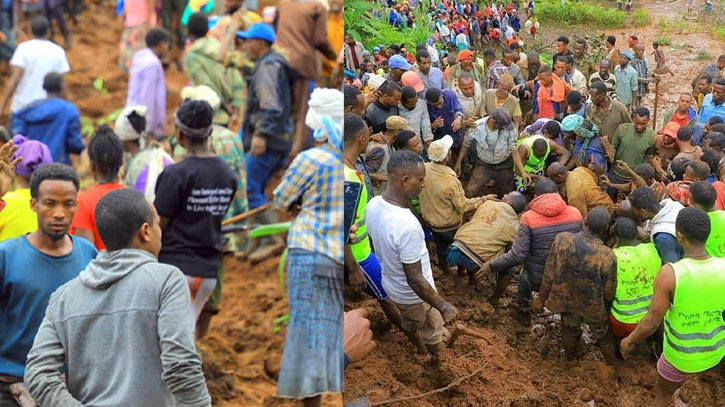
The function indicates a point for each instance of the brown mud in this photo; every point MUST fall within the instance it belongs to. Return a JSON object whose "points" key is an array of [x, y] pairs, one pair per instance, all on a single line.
{"points": [[526, 367]]}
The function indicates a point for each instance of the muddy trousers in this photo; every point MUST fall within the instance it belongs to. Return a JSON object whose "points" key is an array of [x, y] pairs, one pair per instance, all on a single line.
{"points": [[6, 398], [526, 284], [168, 9], [571, 332]]}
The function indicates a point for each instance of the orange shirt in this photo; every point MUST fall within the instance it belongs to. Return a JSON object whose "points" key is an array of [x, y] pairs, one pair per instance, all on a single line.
{"points": [[336, 37], [85, 217]]}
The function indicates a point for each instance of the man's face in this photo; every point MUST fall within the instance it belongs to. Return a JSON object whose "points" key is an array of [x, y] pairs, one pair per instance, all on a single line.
{"points": [[162, 49], [560, 68], [639, 50], [533, 65], [397, 73], [424, 65], [721, 64], [704, 87], [718, 93], [253, 48], [545, 78], [155, 233], [410, 103], [391, 100], [413, 182], [640, 123], [689, 175], [364, 139], [668, 139], [608, 45], [508, 59], [623, 62], [561, 47], [438, 104], [359, 107], [55, 205], [569, 68], [376, 54], [415, 145], [684, 103], [467, 87], [578, 50], [467, 64], [349, 40], [598, 98], [504, 87], [603, 69]]}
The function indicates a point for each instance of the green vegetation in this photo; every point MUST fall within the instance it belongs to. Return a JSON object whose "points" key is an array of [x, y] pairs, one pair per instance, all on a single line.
{"points": [[703, 55], [719, 33], [640, 17], [89, 126], [680, 46], [666, 25], [371, 31], [664, 40]]}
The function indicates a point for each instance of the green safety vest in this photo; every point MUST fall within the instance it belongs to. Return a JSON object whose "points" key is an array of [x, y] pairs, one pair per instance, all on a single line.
{"points": [[360, 247], [715, 245], [533, 163], [694, 328], [637, 267]]}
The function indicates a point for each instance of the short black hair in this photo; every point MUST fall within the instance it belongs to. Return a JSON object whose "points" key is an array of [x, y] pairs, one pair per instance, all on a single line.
{"points": [[402, 138], [395, 48], [53, 82], [403, 161], [407, 93], [544, 69], [388, 88], [515, 46], [720, 81], [712, 159], [433, 95], [351, 95], [598, 220], [552, 127], [561, 59], [198, 25], [684, 133], [353, 126], [39, 26], [694, 224], [507, 51], [644, 198], [105, 151], [421, 54], [645, 171], [700, 169], [573, 97], [564, 39], [581, 41], [119, 214], [625, 228], [703, 194], [600, 87], [714, 120], [540, 144], [53, 172], [156, 36], [545, 186], [489, 53], [707, 78], [642, 112], [611, 39]]}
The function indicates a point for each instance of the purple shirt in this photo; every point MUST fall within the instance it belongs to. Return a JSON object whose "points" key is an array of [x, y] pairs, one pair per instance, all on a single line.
{"points": [[450, 111], [146, 87]]}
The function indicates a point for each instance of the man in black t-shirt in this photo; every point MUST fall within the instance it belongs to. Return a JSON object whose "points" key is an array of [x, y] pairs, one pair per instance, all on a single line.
{"points": [[192, 197]]}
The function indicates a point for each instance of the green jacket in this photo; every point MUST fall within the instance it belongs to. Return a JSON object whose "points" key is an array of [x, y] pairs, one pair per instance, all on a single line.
{"points": [[203, 68], [692, 116]]}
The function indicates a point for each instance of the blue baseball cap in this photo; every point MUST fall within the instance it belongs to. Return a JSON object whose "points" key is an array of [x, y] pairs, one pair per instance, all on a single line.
{"points": [[397, 61], [627, 55], [262, 31]]}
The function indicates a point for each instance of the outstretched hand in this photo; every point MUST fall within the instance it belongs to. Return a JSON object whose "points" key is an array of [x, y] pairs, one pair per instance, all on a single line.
{"points": [[7, 166]]}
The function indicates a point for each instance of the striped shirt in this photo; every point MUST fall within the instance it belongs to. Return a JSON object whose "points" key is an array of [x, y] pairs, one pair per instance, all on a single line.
{"points": [[316, 178]]}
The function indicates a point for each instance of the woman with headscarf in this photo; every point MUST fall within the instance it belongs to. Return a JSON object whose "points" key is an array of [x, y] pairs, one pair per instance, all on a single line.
{"points": [[17, 219], [145, 162], [582, 139], [192, 197], [312, 190]]}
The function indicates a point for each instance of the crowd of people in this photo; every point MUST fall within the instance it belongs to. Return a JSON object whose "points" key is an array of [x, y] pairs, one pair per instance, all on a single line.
{"points": [[550, 173], [135, 262]]}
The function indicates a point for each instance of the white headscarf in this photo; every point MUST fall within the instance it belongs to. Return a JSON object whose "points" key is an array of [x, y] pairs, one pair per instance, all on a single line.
{"points": [[324, 102], [123, 128]]}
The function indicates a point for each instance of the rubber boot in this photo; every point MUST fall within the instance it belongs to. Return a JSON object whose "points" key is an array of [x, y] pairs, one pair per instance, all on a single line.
{"points": [[202, 324], [268, 245], [569, 341], [417, 340]]}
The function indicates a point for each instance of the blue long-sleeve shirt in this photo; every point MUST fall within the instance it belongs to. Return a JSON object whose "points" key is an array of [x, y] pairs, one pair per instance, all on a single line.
{"points": [[450, 111], [54, 122]]}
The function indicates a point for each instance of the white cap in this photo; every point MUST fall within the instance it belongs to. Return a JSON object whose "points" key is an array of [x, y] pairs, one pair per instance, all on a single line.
{"points": [[202, 92], [123, 128], [438, 150], [375, 81]]}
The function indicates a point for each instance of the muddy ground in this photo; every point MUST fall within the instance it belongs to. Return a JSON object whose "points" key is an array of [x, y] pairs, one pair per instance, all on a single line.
{"points": [[525, 367], [242, 351]]}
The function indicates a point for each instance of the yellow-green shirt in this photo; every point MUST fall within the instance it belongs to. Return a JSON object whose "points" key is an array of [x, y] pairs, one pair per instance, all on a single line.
{"points": [[17, 218]]}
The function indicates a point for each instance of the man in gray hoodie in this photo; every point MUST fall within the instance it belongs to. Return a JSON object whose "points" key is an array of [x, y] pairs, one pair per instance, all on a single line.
{"points": [[122, 328]]}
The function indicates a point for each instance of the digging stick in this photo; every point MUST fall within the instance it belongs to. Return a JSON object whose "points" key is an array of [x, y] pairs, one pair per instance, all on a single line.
{"points": [[245, 215], [657, 96], [463, 330]]}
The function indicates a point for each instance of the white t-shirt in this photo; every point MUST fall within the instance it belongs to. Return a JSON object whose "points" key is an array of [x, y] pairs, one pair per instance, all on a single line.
{"points": [[37, 58], [398, 238]]}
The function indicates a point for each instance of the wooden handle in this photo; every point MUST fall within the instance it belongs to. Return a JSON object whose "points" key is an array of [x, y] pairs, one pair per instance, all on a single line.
{"points": [[245, 215]]}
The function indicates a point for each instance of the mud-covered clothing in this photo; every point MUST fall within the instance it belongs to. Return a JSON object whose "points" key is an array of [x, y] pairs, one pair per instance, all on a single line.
{"points": [[579, 276], [583, 192], [443, 200], [548, 216], [492, 228]]}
